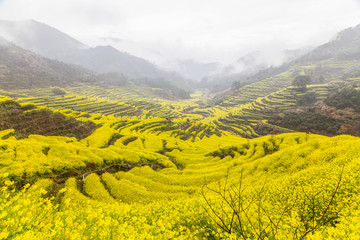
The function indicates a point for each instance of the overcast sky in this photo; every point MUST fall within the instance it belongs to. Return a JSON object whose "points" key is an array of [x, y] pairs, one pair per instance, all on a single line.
{"points": [[205, 30]]}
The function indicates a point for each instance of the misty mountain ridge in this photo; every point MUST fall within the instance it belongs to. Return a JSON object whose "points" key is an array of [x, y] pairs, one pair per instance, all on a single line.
{"points": [[345, 45], [54, 44], [250, 64], [246, 65], [259, 60], [20, 68], [337, 60], [23, 69]]}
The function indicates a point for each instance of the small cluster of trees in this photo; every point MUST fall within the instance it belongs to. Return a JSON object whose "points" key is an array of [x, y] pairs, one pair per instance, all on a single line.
{"points": [[58, 91], [343, 96], [301, 81]]}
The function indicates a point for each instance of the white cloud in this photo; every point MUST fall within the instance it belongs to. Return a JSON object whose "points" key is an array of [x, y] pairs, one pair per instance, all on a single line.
{"points": [[207, 30]]}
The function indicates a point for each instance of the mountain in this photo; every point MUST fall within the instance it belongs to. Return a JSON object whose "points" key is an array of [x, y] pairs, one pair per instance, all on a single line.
{"points": [[107, 59], [103, 59], [21, 68], [54, 44]]}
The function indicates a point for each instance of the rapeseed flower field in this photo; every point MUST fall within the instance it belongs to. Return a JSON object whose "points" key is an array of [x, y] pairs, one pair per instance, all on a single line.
{"points": [[286, 186], [153, 178]]}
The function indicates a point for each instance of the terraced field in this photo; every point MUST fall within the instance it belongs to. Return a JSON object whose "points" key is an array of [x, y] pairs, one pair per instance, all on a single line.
{"points": [[190, 117], [241, 120], [139, 108], [322, 72]]}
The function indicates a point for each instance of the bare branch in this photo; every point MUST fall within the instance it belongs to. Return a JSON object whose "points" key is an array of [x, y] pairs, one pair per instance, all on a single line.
{"points": [[327, 207]]}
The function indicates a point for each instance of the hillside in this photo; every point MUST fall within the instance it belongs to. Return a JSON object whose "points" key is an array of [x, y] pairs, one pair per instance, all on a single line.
{"points": [[20, 68]]}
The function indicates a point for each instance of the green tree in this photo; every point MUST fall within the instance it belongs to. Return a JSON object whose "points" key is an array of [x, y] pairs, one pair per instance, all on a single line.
{"points": [[236, 85], [58, 91], [301, 81]]}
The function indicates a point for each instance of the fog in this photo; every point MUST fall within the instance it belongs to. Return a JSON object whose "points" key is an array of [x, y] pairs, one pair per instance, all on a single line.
{"points": [[206, 31], [18, 30], [3, 42]]}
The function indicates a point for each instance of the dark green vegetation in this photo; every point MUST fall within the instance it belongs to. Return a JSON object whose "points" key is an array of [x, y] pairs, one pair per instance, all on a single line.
{"points": [[343, 96], [301, 81], [307, 122]]}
